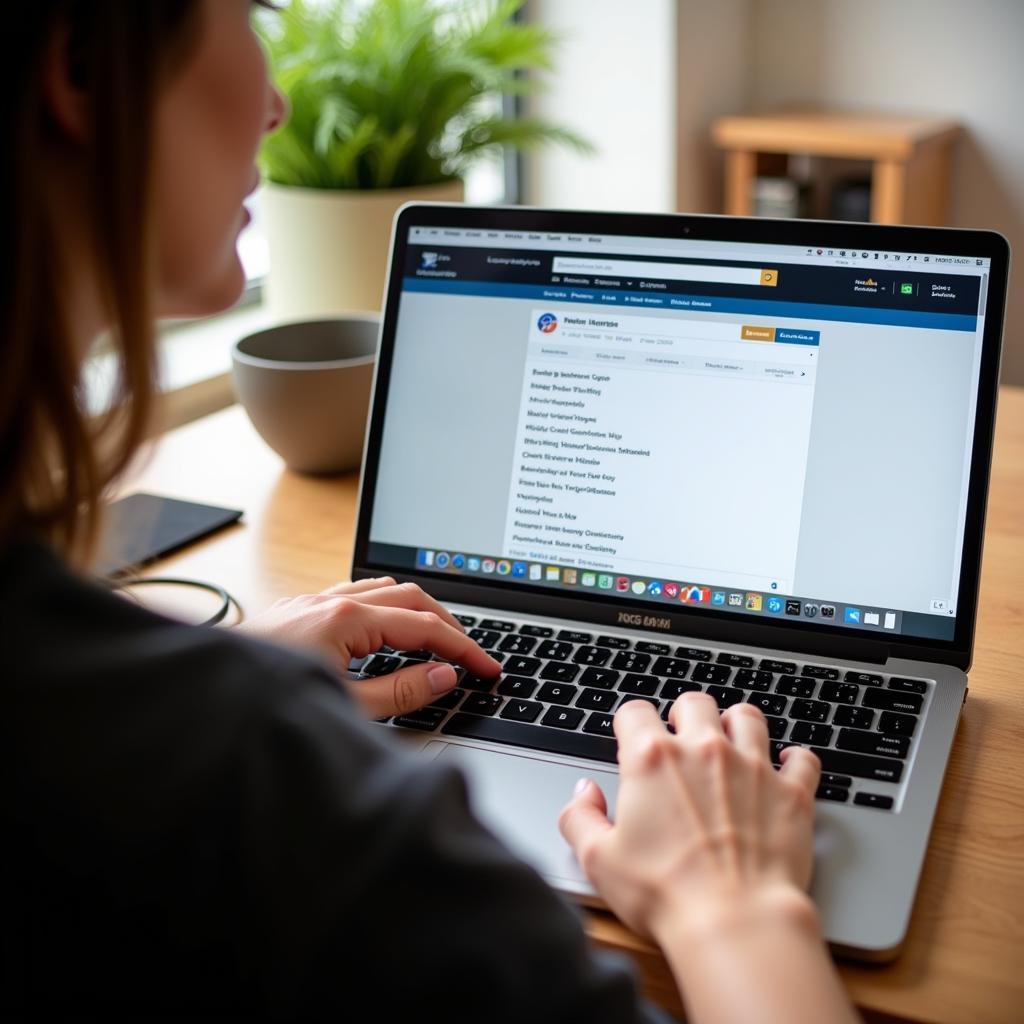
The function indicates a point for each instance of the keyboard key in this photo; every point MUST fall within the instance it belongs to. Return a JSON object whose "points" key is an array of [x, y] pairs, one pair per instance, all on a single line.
{"points": [[674, 668], [573, 636], [554, 650], [631, 661], [769, 703], [517, 686], [599, 725], [533, 737], [619, 643], [776, 727], [559, 671], [516, 643], [481, 703], [696, 653], [856, 718], [839, 693], [648, 647], [810, 710], [820, 672], [881, 769], [876, 800], [895, 724], [908, 685], [518, 665], [836, 793], [752, 679], [725, 696], [633, 682], [863, 678], [828, 779], [706, 673], [891, 700], [477, 684], [557, 693], [596, 700], [562, 718], [811, 733], [793, 686], [521, 710], [449, 700], [739, 660], [771, 665], [420, 655], [873, 743], [466, 620], [653, 701], [603, 678], [587, 655], [674, 687], [540, 631], [499, 624], [486, 638], [424, 718], [381, 665]]}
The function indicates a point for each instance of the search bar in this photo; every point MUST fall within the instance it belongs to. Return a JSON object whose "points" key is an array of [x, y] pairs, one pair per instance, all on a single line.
{"points": [[665, 271]]}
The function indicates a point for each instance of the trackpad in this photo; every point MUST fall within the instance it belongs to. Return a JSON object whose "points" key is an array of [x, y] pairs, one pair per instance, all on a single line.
{"points": [[520, 797]]}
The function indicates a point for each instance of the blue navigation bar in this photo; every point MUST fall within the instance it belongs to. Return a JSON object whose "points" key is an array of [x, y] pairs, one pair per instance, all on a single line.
{"points": [[702, 304]]}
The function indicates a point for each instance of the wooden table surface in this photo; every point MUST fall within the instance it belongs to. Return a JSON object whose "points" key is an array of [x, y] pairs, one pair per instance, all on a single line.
{"points": [[964, 959]]}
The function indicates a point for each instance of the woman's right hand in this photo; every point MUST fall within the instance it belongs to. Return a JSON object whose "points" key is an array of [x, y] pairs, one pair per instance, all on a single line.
{"points": [[704, 826]]}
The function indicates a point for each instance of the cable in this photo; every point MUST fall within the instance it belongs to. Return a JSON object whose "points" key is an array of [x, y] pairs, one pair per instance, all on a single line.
{"points": [[226, 599]]}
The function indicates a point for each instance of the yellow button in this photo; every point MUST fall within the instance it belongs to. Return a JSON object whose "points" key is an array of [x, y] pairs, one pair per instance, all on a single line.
{"points": [[758, 333], [770, 278]]}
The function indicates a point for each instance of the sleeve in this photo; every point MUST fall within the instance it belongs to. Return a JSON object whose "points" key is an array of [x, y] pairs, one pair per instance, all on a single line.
{"points": [[367, 880]]}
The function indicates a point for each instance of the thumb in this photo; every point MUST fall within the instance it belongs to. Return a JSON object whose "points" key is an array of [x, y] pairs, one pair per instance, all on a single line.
{"points": [[584, 822], [403, 691]]}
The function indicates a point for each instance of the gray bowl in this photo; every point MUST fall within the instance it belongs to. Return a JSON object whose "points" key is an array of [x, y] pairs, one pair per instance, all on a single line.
{"points": [[306, 387]]}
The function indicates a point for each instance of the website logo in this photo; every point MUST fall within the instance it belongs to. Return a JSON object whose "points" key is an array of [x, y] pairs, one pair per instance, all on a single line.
{"points": [[428, 260], [547, 323]]}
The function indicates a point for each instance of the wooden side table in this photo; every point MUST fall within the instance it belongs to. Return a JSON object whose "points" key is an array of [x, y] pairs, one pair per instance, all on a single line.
{"points": [[910, 156]]}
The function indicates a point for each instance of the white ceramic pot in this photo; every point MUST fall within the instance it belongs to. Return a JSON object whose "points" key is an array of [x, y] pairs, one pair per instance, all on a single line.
{"points": [[329, 249]]}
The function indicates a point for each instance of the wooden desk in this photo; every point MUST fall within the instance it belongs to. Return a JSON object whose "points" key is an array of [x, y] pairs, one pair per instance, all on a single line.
{"points": [[964, 959]]}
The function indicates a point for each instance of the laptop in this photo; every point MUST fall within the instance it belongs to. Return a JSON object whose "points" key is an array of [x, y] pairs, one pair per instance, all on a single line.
{"points": [[640, 454]]}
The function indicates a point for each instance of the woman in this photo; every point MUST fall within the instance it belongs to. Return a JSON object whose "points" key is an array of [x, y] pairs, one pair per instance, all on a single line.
{"points": [[201, 823]]}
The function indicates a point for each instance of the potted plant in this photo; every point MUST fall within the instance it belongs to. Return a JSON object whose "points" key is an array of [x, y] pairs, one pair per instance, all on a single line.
{"points": [[391, 101]]}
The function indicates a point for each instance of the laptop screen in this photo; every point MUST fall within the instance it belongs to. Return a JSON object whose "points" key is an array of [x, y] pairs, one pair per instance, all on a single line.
{"points": [[768, 431]]}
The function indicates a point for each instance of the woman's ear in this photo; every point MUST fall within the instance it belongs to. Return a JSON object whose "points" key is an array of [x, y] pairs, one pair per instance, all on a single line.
{"points": [[64, 94]]}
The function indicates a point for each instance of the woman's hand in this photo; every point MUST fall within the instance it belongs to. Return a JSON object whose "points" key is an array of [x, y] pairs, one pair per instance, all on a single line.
{"points": [[704, 826], [351, 620]]}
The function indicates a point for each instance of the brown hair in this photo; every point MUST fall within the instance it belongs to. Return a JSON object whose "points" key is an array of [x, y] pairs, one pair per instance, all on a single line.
{"points": [[56, 459]]}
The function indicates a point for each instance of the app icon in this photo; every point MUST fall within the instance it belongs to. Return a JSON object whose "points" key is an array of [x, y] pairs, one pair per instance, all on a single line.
{"points": [[536, 572], [810, 610], [851, 616], [906, 289], [547, 323], [569, 576], [671, 590], [552, 574], [828, 611], [424, 559], [504, 567], [792, 607], [473, 563], [696, 595], [735, 600], [588, 579], [638, 586], [654, 588], [775, 604], [605, 582], [753, 602], [487, 565], [890, 620], [458, 561], [622, 584], [519, 570], [871, 619], [443, 559]]}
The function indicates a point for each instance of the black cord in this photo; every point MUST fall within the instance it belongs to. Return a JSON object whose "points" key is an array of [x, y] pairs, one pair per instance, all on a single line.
{"points": [[226, 599]]}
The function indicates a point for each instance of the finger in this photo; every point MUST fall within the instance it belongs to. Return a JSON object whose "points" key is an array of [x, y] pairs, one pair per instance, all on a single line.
{"points": [[694, 713], [637, 725], [404, 691], [801, 766], [584, 823], [408, 595], [359, 586], [746, 727]]}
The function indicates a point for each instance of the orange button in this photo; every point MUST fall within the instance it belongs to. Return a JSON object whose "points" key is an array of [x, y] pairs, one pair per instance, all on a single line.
{"points": [[758, 333], [770, 278]]}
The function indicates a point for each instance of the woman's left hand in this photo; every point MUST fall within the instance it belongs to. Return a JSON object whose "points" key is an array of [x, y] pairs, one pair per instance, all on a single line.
{"points": [[352, 620]]}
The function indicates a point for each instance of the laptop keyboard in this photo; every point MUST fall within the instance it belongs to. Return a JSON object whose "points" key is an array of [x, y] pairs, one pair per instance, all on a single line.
{"points": [[559, 690]]}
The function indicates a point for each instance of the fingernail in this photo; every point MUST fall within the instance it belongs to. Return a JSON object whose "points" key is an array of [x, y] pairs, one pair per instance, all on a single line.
{"points": [[441, 678], [580, 786]]}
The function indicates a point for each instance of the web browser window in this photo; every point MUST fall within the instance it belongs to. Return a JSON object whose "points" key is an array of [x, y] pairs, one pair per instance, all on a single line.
{"points": [[765, 430]]}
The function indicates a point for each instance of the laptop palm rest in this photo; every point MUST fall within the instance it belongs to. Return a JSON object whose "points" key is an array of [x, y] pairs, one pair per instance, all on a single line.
{"points": [[519, 797]]}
